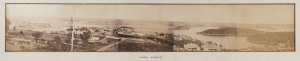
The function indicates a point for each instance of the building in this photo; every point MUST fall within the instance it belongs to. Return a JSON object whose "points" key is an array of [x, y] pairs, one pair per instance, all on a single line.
{"points": [[191, 47], [211, 47]]}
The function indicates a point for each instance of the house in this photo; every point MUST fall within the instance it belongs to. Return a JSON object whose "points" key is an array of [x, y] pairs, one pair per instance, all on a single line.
{"points": [[211, 47], [191, 47]]}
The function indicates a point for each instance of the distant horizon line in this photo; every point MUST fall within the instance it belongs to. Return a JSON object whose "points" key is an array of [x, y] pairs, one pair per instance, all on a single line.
{"points": [[74, 18]]}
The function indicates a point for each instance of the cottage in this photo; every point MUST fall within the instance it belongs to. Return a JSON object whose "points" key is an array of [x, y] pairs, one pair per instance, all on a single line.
{"points": [[211, 47], [192, 47]]}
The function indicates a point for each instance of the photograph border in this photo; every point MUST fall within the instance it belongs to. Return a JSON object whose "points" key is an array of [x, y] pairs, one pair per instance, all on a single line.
{"points": [[159, 4]]}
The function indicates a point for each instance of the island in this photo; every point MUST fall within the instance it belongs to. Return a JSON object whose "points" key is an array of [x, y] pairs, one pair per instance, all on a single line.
{"points": [[229, 31]]}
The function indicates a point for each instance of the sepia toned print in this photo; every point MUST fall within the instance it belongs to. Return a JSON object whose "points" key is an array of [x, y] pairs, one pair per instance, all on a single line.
{"points": [[150, 28]]}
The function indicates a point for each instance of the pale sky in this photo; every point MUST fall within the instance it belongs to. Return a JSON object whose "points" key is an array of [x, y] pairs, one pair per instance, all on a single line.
{"points": [[250, 14]]}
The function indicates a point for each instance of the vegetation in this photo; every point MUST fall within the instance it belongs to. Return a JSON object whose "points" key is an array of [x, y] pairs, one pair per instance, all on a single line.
{"points": [[161, 38], [124, 31], [7, 23], [37, 35], [133, 45], [86, 35], [274, 38], [229, 31], [176, 26], [55, 45], [180, 41]]}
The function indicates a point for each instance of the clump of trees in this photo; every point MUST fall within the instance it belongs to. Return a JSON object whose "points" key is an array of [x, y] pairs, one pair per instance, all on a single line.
{"points": [[164, 38], [124, 31], [83, 36], [181, 40], [86, 35], [56, 44], [37, 35]]}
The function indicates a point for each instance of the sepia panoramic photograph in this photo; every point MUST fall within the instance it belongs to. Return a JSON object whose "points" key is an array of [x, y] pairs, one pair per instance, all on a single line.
{"points": [[150, 28]]}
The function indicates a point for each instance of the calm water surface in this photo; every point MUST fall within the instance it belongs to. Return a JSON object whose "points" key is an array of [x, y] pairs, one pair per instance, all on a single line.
{"points": [[229, 42]]}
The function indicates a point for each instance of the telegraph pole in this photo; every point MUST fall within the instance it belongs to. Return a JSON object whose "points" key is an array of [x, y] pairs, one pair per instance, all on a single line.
{"points": [[72, 39], [72, 26]]}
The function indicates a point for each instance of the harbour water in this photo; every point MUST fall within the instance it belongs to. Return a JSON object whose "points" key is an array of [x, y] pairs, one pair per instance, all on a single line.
{"points": [[228, 42]]}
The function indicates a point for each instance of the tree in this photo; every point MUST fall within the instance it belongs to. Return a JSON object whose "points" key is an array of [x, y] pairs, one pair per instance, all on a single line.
{"points": [[22, 33], [57, 41], [37, 35], [15, 28], [97, 30], [86, 35], [7, 23]]}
